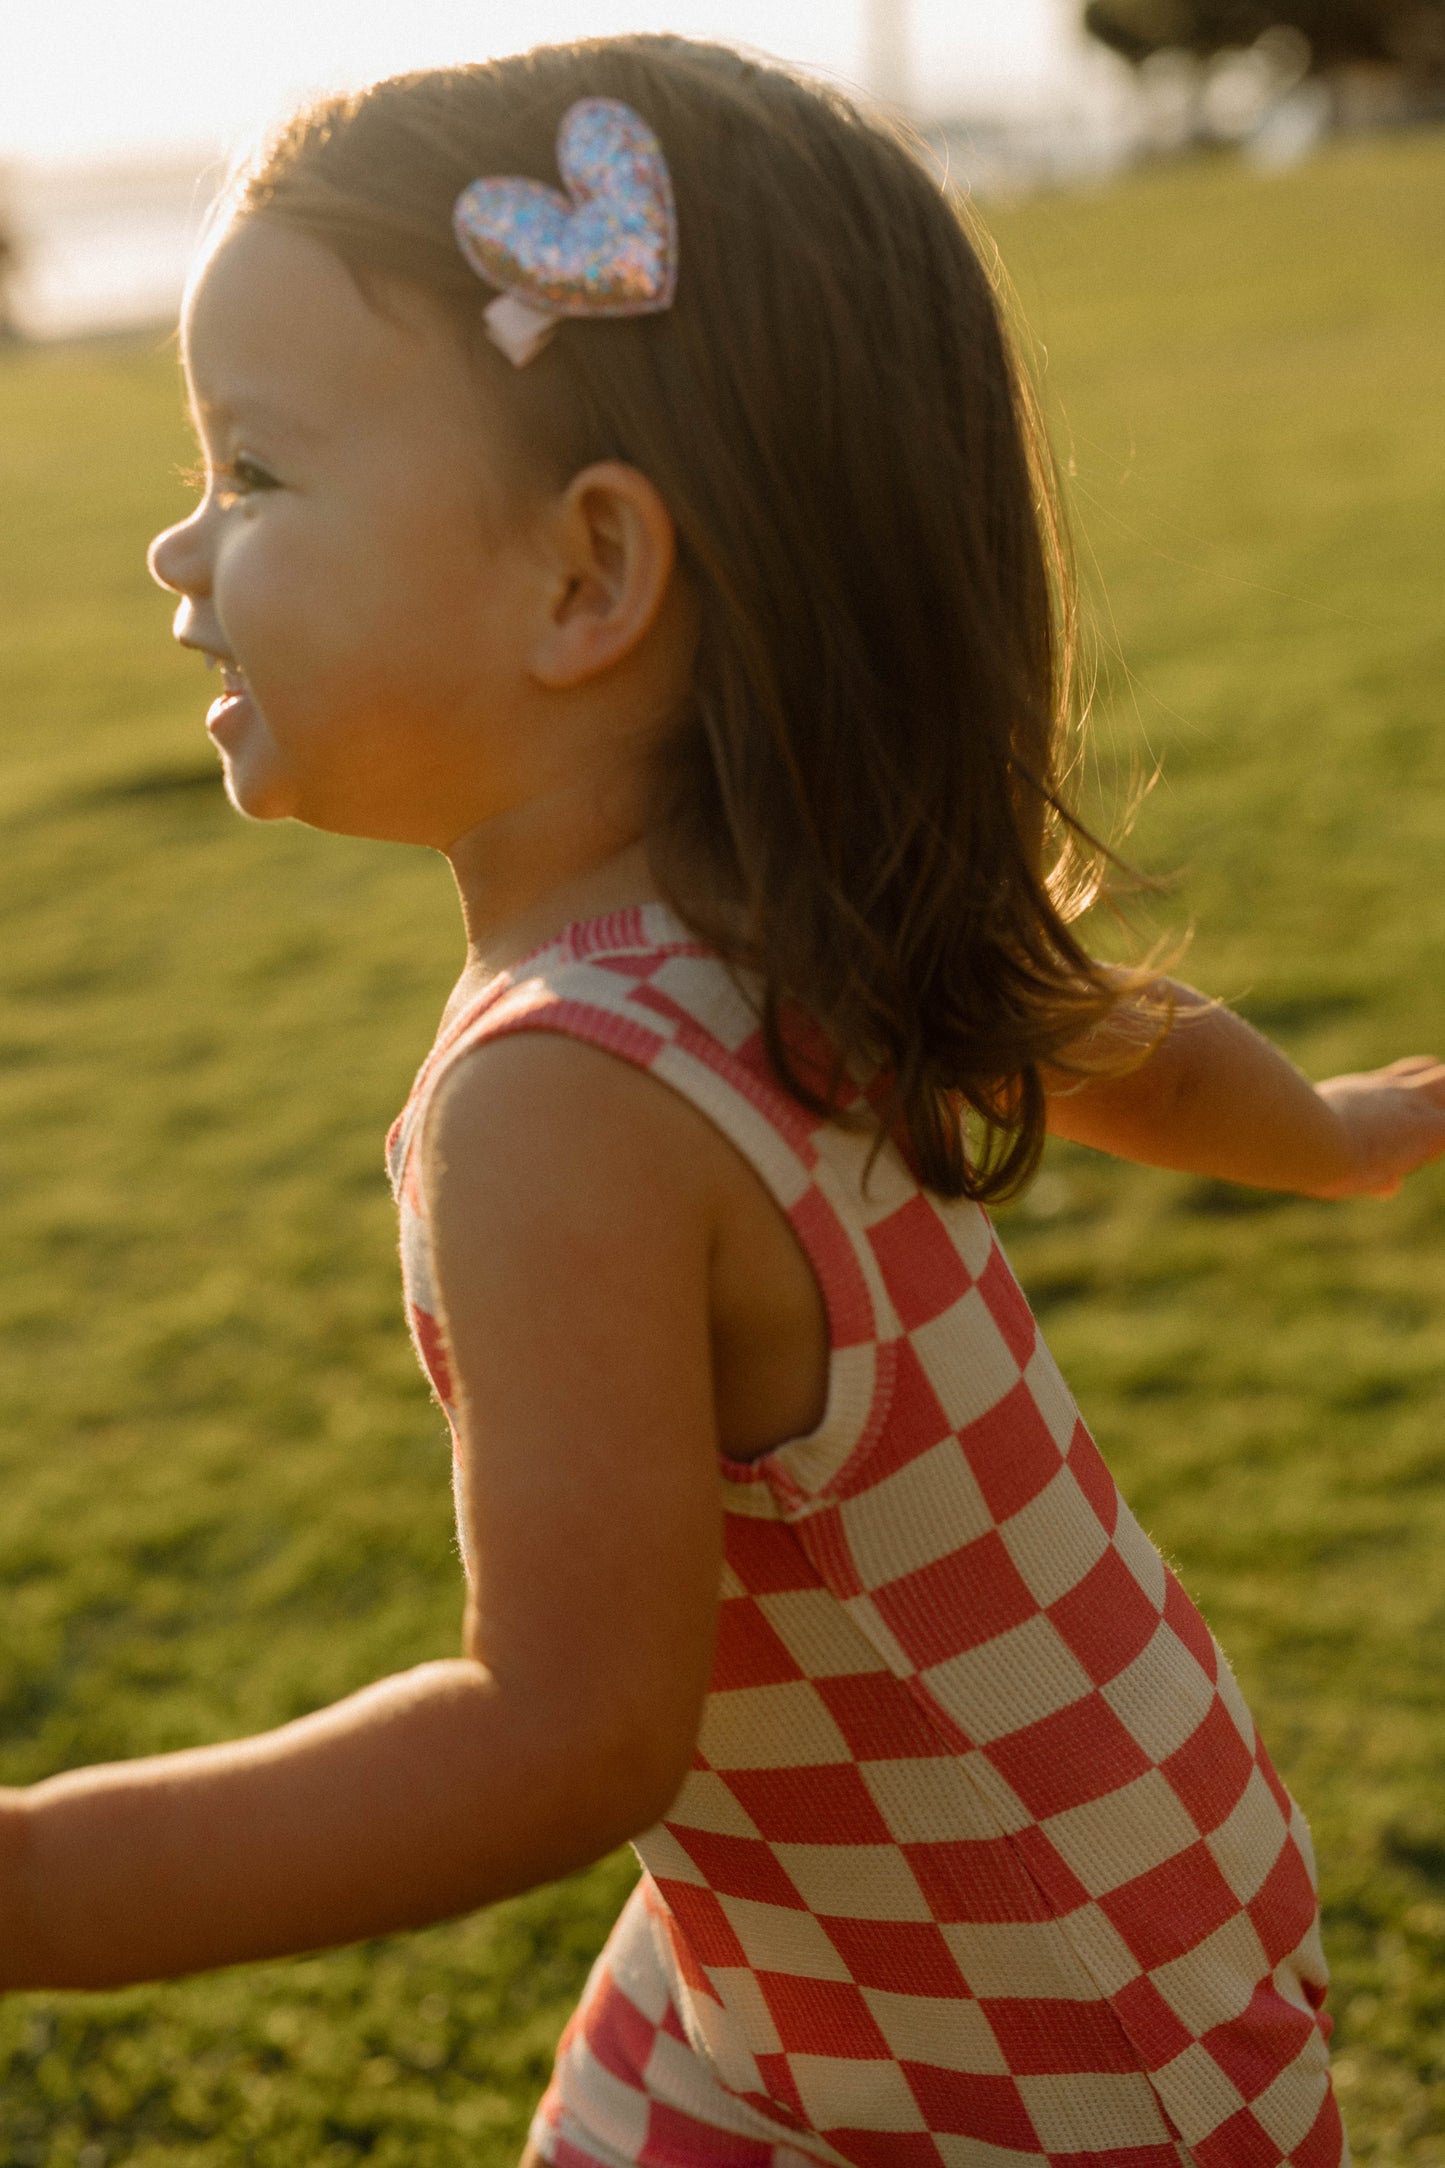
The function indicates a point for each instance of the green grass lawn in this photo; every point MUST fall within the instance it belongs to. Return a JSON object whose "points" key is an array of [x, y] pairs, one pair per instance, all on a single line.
{"points": [[225, 1491]]}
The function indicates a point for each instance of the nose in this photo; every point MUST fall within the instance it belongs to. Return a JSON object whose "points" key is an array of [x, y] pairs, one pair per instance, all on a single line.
{"points": [[177, 559]]}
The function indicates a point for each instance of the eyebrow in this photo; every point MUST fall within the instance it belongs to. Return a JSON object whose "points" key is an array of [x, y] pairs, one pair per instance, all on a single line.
{"points": [[245, 410]]}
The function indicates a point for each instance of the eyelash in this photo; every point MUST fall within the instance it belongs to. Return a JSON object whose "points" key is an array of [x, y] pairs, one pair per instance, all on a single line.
{"points": [[245, 477]]}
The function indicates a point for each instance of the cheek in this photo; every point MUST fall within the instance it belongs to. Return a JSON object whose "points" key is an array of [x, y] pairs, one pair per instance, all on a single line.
{"points": [[258, 586], [291, 614], [380, 606]]}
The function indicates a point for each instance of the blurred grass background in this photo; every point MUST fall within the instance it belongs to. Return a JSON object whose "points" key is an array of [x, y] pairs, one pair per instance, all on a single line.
{"points": [[225, 1492]]}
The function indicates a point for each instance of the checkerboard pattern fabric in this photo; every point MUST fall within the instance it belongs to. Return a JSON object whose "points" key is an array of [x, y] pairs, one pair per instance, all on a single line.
{"points": [[629, 2089], [981, 1861]]}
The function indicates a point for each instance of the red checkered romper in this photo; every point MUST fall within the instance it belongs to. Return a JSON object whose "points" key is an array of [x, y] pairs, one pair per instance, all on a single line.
{"points": [[980, 1861]]}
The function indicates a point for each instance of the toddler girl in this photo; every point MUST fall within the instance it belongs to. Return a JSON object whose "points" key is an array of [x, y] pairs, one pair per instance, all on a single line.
{"points": [[618, 479]]}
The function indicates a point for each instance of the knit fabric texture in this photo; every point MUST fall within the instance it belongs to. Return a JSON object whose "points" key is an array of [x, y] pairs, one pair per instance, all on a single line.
{"points": [[981, 1860]]}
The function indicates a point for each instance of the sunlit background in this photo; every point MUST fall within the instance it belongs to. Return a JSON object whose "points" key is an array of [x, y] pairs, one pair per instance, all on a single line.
{"points": [[115, 121]]}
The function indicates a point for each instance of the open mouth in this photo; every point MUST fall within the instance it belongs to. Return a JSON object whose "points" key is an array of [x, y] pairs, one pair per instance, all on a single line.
{"points": [[234, 704]]}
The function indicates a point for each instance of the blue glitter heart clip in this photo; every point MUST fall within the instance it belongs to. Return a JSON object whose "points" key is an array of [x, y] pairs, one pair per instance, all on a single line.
{"points": [[607, 248]]}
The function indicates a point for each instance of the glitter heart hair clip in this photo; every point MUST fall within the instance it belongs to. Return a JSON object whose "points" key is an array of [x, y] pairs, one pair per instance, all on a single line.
{"points": [[607, 248]]}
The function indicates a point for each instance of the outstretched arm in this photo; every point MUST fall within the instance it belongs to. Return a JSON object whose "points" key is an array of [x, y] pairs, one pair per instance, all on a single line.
{"points": [[572, 1246], [1215, 1098]]}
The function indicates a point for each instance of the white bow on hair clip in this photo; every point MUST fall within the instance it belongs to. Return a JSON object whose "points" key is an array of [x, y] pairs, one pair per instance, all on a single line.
{"points": [[608, 248]]}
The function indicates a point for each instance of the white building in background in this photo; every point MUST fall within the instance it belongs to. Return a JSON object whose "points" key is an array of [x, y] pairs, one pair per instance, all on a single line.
{"points": [[886, 53], [1073, 115]]}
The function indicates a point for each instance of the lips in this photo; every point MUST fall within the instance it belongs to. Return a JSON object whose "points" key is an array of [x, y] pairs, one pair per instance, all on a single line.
{"points": [[229, 713]]}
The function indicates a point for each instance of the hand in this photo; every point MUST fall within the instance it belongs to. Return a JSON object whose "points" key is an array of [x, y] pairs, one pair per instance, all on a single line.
{"points": [[1393, 1121]]}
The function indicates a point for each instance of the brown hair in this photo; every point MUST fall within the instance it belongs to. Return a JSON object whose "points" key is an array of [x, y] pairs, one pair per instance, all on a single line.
{"points": [[862, 803]]}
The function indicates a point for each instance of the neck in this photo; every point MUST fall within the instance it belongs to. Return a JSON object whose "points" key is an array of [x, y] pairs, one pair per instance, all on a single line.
{"points": [[525, 875]]}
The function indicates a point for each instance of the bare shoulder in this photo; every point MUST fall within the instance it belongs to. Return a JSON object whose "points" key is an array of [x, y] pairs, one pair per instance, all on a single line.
{"points": [[577, 1167], [544, 1107]]}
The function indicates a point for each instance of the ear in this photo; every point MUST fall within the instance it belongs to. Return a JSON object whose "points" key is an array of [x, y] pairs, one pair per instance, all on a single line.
{"points": [[614, 548]]}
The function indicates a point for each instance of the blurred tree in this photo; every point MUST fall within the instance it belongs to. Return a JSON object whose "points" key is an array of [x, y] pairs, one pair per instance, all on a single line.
{"points": [[1408, 34], [887, 49], [9, 255], [9, 262]]}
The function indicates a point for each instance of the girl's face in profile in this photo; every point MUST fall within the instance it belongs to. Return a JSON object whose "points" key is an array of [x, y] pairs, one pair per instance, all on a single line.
{"points": [[359, 565]]}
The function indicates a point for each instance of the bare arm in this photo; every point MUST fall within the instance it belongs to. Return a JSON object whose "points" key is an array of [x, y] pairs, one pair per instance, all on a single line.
{"points": [[1214, 1098], [572, 1249]]}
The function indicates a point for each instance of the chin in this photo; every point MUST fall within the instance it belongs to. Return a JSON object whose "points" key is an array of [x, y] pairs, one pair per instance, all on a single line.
{"points": [[258, 797]]}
